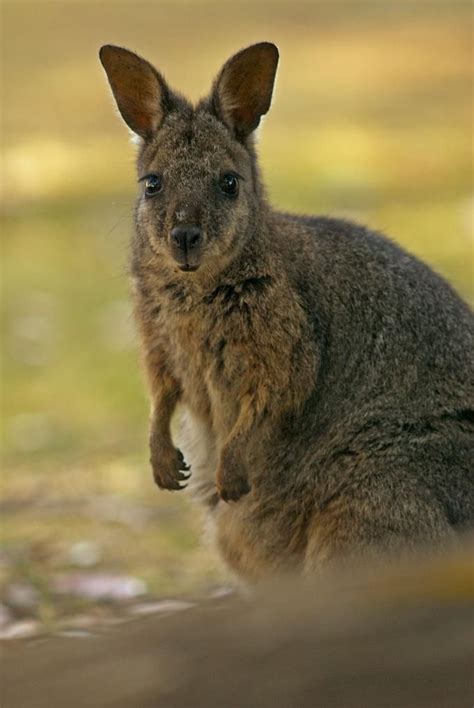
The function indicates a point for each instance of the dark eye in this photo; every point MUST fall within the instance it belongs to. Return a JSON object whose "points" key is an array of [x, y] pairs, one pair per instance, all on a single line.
{"points": [[229, 184], [153, 185]]}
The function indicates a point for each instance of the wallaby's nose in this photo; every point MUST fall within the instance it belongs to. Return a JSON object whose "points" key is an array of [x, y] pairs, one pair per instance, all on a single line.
{"points": [[186, 237]]}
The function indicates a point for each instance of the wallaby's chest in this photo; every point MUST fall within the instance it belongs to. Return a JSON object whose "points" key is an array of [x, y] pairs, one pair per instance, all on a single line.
{"points": [[205, 361]]}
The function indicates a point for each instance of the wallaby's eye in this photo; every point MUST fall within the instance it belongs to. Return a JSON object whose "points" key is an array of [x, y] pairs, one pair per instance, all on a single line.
{"points": [[229, 184], [153, 185]]}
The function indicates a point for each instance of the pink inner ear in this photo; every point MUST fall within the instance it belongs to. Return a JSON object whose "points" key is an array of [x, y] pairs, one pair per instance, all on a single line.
{"points": [[246, 116], [136, 88], [145, 110], [245, 86], [141, 102]]}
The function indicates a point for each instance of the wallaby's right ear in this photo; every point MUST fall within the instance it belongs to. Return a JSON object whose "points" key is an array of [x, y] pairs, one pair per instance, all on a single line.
{"points": [[142, 95], [242, 92]]}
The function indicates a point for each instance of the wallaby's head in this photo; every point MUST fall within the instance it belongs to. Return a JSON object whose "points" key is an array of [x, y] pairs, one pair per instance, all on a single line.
{"points": [[199, 191]]}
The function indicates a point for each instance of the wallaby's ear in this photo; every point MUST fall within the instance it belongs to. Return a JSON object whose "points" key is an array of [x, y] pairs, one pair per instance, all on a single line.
{"points": [[242, 92], [142, 95]]}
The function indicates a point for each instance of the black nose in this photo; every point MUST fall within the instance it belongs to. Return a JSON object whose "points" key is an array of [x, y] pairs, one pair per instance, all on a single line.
{"points": [[186, 237]]}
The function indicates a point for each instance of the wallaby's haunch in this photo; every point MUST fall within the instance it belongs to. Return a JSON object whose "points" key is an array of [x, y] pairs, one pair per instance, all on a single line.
{"points": [[325, 375]]}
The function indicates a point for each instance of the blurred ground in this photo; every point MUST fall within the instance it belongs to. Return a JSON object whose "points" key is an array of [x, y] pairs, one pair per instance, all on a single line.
{"points": [[371, 120], [383, 636]]}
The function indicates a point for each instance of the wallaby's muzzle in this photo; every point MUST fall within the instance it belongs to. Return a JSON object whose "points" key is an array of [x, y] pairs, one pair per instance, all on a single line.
{"points": [[186, 243]]}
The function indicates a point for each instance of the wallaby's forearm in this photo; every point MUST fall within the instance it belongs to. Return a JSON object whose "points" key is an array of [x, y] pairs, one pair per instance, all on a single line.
{"points": [[273, 385], [232, 478], [167, 463], [164, 388], [164, 398]]}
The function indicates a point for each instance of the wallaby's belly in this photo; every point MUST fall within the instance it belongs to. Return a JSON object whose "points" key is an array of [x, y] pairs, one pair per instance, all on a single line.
{"points": [[197, 441], [251, 544], [264, 533]]}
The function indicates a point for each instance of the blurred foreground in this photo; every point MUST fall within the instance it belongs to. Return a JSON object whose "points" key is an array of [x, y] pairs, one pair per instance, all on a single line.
{"points": [[372, 120], [400, 635]]}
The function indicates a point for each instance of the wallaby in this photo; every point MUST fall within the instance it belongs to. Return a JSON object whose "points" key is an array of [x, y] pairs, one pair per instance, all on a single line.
{"points": [[325, 376]]}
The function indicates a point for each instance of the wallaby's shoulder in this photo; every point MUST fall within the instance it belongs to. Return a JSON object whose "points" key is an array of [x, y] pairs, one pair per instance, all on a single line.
{"points": [[358, 258], [324, 242], [340, 239]]}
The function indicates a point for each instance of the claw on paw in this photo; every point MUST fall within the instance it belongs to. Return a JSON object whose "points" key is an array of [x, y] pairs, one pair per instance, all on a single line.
{"points": [[233, 491], [169, 470]]}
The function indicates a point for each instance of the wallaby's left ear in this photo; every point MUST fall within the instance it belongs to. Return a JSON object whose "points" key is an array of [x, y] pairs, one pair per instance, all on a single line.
{"points": [[242, 92]]}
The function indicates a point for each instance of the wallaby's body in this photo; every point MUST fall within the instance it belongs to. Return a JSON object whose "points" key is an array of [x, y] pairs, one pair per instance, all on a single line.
{"points": [[325, 376]]}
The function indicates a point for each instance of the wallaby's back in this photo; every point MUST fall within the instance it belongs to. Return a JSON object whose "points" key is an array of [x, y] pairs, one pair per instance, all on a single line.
{"points": [[396, 378]]}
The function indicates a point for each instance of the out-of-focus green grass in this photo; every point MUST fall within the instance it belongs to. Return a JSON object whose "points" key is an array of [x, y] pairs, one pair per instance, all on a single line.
{"points": [[371, 120]]}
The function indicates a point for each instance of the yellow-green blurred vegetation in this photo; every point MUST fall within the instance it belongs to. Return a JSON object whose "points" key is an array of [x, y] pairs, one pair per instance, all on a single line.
{"points": [[371, 120]]}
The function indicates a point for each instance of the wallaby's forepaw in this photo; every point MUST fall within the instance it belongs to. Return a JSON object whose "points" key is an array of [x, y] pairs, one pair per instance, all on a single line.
{"points": [[169, 466], [232, 482]]}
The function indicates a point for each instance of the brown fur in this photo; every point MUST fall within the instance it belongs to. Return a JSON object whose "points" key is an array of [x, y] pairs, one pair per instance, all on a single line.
{"points": [[323, 371]]}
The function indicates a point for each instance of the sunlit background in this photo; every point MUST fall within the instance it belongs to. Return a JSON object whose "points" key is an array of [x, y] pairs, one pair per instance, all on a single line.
{"points": [[371, 120]]}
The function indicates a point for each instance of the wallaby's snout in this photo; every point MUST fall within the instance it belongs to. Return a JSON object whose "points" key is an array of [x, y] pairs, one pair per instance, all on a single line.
{"points": [[186, 241]]}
